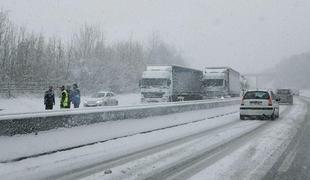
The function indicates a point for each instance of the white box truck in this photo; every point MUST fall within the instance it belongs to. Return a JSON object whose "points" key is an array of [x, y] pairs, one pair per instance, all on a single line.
{"points": [[170, 83], [221, 82]]}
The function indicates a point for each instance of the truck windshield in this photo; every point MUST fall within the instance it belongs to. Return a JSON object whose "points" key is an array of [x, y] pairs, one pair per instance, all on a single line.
{"points": [[152, 82], [213, 82]]}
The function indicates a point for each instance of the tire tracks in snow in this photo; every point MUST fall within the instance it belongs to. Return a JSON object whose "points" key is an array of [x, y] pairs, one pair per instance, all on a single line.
{"points": [[288, 166], [107, 164], [184, 168], [115, 138], [189, 167]]}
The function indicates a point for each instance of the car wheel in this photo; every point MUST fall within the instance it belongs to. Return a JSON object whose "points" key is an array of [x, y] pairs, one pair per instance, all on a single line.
{"points": [[116, 103], [273, 117], [242, 117]]}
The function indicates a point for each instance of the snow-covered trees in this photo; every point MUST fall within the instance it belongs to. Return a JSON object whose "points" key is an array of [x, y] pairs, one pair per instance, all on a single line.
{"points": [[31, 62], [293, 72]]}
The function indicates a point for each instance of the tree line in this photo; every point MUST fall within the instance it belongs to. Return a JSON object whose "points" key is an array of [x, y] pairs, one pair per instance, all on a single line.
{"points": [[87, 59], [293, 72]]}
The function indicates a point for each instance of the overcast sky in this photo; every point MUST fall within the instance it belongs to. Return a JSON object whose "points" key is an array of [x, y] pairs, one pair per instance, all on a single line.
{"points": [[249, 35]]}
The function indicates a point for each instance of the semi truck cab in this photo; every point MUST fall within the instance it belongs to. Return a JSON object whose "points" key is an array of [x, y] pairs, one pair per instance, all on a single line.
{"points": [[221, 82], [215, 83], [156, 84], [170, 83]]}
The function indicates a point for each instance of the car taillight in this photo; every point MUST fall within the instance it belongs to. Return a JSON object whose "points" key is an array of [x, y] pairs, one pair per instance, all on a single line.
{"points": [[270, 102], [242, 101]]}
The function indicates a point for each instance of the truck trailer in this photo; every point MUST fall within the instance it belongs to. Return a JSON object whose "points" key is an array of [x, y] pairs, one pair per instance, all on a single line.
{"points": [[221, 82], [170, 83]]}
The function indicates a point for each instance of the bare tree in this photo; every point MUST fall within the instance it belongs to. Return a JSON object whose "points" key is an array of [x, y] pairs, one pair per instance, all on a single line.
{"points": [[30, 59]]}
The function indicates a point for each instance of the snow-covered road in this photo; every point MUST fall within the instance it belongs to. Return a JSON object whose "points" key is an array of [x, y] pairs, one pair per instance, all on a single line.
{"points": [[205, 144]]}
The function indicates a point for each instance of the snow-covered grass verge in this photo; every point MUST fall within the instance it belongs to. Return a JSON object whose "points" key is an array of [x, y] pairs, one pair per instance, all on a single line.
{"points": [[31, 103]]}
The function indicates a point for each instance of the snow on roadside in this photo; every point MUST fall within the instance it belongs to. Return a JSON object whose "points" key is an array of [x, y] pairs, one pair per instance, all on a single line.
{"points": [[34, 103], [129, 99], [25, 145], [255, 158], [305, 92], [21, 104]]}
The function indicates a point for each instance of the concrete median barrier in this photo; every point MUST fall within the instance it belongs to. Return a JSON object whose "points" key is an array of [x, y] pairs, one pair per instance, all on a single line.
{"points": [[43, 121]]}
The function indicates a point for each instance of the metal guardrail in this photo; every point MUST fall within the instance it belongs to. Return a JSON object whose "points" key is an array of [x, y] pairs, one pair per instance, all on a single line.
{"points": [[43, 121], [28, 87]]}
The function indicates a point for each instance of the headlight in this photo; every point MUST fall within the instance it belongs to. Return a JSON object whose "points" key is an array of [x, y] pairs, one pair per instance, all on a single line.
{"points": [[99, 102]]}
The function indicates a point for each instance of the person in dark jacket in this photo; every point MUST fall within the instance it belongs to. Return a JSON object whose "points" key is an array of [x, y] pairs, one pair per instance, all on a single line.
{"points": [[75, 96], [68, 88], [49, 98], [64, 100]]}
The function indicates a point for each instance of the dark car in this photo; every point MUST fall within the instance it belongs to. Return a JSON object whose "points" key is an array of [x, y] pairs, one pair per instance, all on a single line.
{"points": [[285, 95]]}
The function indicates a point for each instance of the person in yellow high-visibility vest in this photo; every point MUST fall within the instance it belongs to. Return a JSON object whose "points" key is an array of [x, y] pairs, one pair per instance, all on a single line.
{"points": [[64, 101]]}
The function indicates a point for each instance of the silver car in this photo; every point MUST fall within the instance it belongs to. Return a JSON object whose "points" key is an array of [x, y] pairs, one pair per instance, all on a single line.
{"points": [[103, 98], [259, 103]]}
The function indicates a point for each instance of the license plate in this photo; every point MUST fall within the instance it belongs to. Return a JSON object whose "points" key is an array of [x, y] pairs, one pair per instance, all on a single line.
{"points": [[255, 102]]}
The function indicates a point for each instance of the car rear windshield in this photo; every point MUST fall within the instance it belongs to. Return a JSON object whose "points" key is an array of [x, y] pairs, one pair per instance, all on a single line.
{"points": [[256, 95], [99, 95], [283, 91]]}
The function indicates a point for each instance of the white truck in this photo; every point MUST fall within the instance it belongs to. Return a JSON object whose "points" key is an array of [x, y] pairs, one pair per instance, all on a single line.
{"points": [[221, 82], [170, 83]]}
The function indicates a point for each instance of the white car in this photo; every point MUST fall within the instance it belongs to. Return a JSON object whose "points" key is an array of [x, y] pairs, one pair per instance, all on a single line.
{"points": [[102, 98], [259, 103]]}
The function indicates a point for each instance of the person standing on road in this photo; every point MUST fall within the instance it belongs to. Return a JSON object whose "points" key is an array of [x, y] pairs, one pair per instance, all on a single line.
{"points": [[75, 96], [64, 100], [49, 98]]}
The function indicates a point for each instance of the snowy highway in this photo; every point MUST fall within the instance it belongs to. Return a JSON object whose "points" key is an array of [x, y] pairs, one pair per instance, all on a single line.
{"points": [[154, 90], [204, 144]]}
